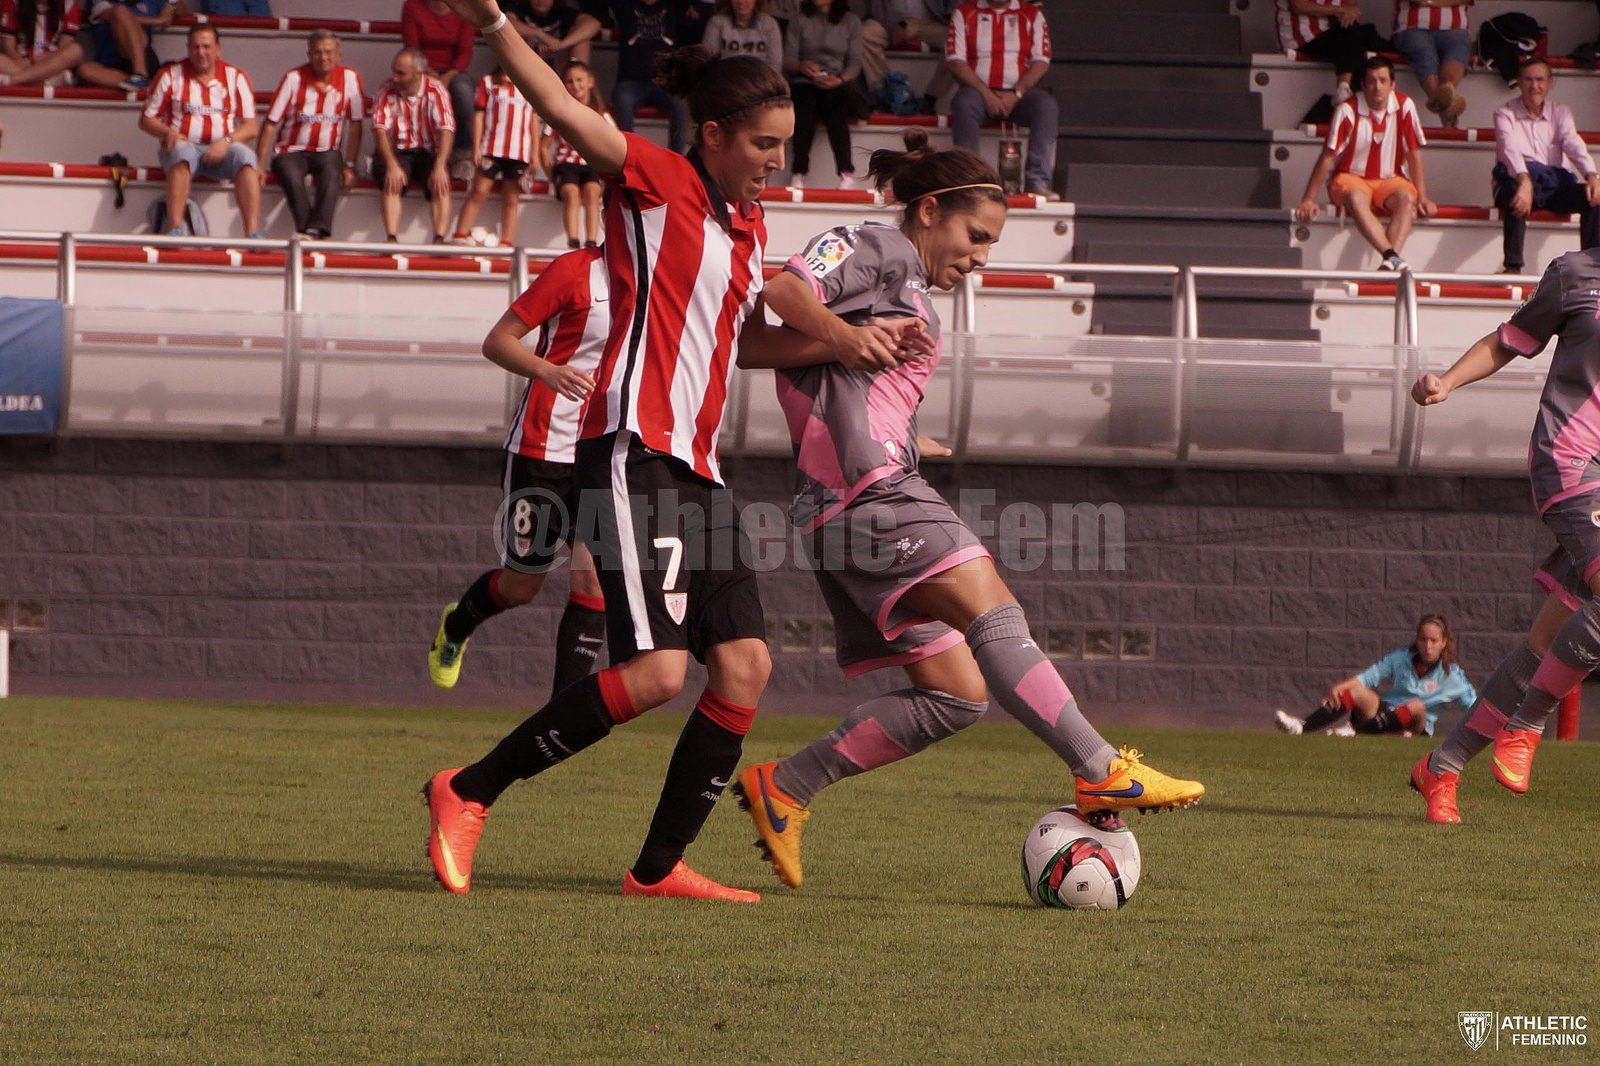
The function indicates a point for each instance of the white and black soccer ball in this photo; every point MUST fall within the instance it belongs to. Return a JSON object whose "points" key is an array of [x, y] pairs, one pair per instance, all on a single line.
{"points": [[1069, 861]]}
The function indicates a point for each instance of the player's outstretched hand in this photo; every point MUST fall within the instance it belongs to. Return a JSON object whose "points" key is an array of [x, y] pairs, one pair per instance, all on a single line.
{"points": [[569, 382], [478, 12], [1429, 390]]}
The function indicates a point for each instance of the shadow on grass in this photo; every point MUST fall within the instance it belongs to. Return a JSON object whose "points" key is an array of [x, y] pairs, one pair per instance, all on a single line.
{"points": [[331, 873], [1291, 812]]}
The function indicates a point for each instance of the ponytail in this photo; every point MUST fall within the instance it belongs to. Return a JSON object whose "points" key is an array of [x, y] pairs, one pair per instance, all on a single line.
{"points": [[956, 178]]}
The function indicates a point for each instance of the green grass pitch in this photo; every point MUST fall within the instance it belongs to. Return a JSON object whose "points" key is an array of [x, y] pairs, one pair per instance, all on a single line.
{"points": [[195, 883]]}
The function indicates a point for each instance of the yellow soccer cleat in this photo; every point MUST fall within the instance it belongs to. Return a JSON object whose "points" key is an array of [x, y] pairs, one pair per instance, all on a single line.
{"points": [[444, 658], [778, 820], [1131, 785]]}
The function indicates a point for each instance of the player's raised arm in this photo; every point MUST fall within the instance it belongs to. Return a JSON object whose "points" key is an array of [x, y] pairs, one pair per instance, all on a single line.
{"points": [[817, 335], [1485, 357], [602, 146]]}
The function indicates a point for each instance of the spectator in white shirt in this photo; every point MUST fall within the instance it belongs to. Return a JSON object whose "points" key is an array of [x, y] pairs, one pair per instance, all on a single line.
{"points": [[1534, 139]]}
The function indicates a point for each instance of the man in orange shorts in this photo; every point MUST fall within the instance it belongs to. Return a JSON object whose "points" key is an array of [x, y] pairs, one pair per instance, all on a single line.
{"points": [[1374, 149]]}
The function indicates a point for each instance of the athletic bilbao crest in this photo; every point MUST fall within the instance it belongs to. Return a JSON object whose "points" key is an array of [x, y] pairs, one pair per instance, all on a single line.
{"points": [[677, 605], [1474, 1026]]}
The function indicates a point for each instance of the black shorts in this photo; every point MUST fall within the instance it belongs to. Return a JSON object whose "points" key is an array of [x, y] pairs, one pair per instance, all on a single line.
{"points": [[498, 169], [671, 556], [417, 165], [572, 174], [535, 518]]}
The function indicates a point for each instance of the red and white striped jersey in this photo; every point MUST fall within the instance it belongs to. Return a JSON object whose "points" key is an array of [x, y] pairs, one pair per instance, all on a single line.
{"points": [[44, 42], [508, 121], [1413, 16], [311, 116], [201, 111], [568, 303], [1297, 30], [1374, 145], [998, 43], [685, 271], [561, 151], [413, 123]]}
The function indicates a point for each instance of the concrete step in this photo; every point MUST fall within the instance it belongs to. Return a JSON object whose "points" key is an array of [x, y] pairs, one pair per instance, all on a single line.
{"points": [[1260, 229], [1105, 183], [1077, 8], [1162, 108], [1089, 73], [1121, 32], [1156, 147]]}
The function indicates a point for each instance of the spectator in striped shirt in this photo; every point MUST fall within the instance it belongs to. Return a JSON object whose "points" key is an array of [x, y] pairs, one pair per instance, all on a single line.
{"points": [[37, 40], [503, 124], [1332, 31], [1533, 138], [445, 40], [998, 51], [120, 30], [1374, 149], [1432, 35], [203, 111], [414, 129], [573, 181], [312, 107]]}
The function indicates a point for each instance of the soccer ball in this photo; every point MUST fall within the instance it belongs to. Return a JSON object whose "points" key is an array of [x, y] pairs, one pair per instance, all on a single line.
{"points": [[1069, 861]]}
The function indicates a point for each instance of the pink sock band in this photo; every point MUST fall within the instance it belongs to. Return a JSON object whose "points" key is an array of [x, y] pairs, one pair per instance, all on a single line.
{"points": [[1042, 689], [1556, 677], [868, 746], [1486, 721]]}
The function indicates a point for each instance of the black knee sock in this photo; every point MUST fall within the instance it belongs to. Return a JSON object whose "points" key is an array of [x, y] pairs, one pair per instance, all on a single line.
{"points": [[573, 720], [579, 639], [702, 765], [1322, 718], [477, 605]]}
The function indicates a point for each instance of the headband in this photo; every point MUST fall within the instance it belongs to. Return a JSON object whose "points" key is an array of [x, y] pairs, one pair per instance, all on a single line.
{"points": [[956, 188]]}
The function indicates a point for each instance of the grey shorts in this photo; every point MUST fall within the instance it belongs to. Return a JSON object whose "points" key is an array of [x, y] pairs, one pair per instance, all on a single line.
{"points": [[234, 160], [893, 535], [1567, 569]]}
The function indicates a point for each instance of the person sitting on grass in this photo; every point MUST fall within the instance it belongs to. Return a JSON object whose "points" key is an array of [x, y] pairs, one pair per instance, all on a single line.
{"points": [[1421, 679], [502, 147]]}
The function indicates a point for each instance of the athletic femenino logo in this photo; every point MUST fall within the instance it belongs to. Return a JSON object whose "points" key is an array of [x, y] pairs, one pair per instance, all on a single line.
{"points": [[1474, 1026]]}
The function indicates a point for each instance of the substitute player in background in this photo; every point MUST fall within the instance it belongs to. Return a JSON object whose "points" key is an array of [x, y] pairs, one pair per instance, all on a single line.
{"points": [[568, 304], [1420, 681], [907, 582], [685, 237], [1564, 643]]}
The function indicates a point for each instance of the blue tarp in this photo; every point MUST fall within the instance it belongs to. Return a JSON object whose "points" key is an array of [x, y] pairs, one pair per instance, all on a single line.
{"points": [[31, 348]]}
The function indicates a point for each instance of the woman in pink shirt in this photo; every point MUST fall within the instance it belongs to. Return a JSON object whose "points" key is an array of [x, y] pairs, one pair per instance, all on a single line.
{"points": [[446, 39]]}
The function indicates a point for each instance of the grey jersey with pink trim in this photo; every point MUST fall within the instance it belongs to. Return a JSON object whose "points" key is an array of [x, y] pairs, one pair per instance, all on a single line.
{"points": [[850, 428], [1564, 454]]}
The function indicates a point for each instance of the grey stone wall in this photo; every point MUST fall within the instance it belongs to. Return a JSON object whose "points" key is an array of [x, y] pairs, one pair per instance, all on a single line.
{"points": [[254, 571]]}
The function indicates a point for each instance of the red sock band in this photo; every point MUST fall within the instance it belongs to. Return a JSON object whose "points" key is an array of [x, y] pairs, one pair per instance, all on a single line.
{"points": [[619, 705], [592, 603], [494, 590], [1347, 700], [1404, 715], [730, 716]]}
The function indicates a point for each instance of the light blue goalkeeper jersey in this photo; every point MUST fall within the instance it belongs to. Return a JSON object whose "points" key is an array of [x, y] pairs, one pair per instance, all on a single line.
{"points": [[1439, 686]]}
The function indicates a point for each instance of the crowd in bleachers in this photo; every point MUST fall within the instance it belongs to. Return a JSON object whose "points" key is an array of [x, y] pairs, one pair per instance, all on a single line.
{"points": [[434, 123]]}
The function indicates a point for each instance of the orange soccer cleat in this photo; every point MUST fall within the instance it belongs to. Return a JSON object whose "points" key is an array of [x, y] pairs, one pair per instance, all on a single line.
{"points": [[1513, 757], [1439, 790], [778, 820], [454, 825], [684, 883], [1132, 785]]}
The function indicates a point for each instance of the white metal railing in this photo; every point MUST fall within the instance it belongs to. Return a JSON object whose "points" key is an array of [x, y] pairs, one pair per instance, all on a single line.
{"points": [[1170, 402]]}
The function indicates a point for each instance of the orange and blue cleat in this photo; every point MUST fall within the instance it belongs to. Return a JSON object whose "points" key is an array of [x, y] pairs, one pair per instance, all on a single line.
{"points": [[1439, 790], [454, 825], [778, 818], [1131, 785], [684, 883], [1513, 757]]}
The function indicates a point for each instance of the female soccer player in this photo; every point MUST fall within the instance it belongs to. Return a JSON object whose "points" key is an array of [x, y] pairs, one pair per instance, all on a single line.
{"points": [[1421, 679], [1564, 465], [907, 582], [684, 242], [503, 126], [573, 181], [568, 303]]}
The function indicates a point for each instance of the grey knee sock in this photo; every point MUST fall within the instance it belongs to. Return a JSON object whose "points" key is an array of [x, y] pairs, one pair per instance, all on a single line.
{"points": [[1477, 729], [1027, 685], [1573, 655], [878, 732]]}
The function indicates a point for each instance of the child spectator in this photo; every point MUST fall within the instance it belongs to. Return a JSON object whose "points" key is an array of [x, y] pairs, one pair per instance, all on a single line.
{"points": [[414, 130], [743, 28], [123, 58], [203, 111], [502, 147], [445, 40], [822, 56], [38, 40], [313, 104], [572, 180]]}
